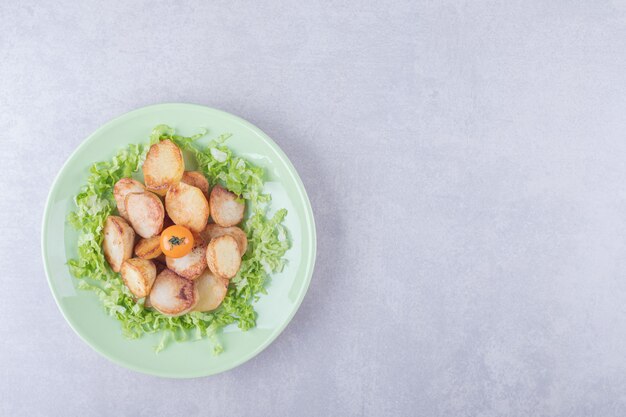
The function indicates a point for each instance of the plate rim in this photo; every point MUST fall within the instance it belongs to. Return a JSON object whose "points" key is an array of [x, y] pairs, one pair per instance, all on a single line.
{"points": [[309, 221]]}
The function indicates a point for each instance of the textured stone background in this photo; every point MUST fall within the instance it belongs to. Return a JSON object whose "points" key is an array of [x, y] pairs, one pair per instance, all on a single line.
{"points": [[466, 162]]}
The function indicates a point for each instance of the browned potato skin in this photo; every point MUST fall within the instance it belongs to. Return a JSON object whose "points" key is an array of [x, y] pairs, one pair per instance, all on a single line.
{"points": [[173, 295], [214, 230], [225, 210], [149, 248], [118, 241], [121, 189], [191, 265], [187, 206], [198, 180], [211, 291], [218, 260], [145, 270], [146, 213], [198, 240], [164, 166]]}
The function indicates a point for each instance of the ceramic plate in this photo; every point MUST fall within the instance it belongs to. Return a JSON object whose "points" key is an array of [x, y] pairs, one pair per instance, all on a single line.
{"points": [[83, 310]]}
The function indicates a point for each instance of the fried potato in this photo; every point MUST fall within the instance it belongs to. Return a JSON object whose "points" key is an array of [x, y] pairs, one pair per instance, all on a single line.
{"points": [[225, 209], [198, 240], [163, 167], [139, 275], [191, 265], [145, 213], [211, 291], [187, 206], [198, 180], [172, 294], [148, 248], [214, 230], [121, 189], [118, 242], [223, 257]]}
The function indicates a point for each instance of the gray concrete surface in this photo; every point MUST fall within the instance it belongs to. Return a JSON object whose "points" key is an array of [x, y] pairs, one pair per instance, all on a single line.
{"points": [[466, 163]]}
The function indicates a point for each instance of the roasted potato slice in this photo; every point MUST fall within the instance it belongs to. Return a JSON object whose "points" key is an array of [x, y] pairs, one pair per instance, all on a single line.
{"points": [[121, 189], [163, 167], [211, 291], [172, 294], [118, 242], [145, 213], [223, 257], [139, 275], [214, 230], [149, 248], [226, 210], [198, 180], [191, 265], [187, 206]]}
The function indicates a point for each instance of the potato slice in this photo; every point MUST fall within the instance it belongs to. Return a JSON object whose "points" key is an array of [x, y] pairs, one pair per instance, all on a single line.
{"points": [[225, 209], [191, 265], [172, 294], [139, 275], [214, 230], [223, 257], [118, 242], [148, 248], [145, 213], [187, 206], [211, 291], [163, 167], [121, 189], [198, 180]]}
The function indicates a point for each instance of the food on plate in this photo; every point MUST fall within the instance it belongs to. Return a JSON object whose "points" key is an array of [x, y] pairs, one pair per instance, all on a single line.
{"points": [[189, 255], [223, 256], [163, 167], [214, 230], [211, 291], [173, 295], [191, 265], [198, 180], [139, 275], [187, 206], [226, 207], [117, 243], [145, 213], [176, 241], [149, 248], [121, 189]]}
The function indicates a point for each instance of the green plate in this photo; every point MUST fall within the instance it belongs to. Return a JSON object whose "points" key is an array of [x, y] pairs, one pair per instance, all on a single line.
{"points": [[82, 309]]}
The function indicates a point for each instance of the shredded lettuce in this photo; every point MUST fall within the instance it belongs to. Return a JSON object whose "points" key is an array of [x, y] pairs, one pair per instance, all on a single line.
{"points": [[267, 242]]}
